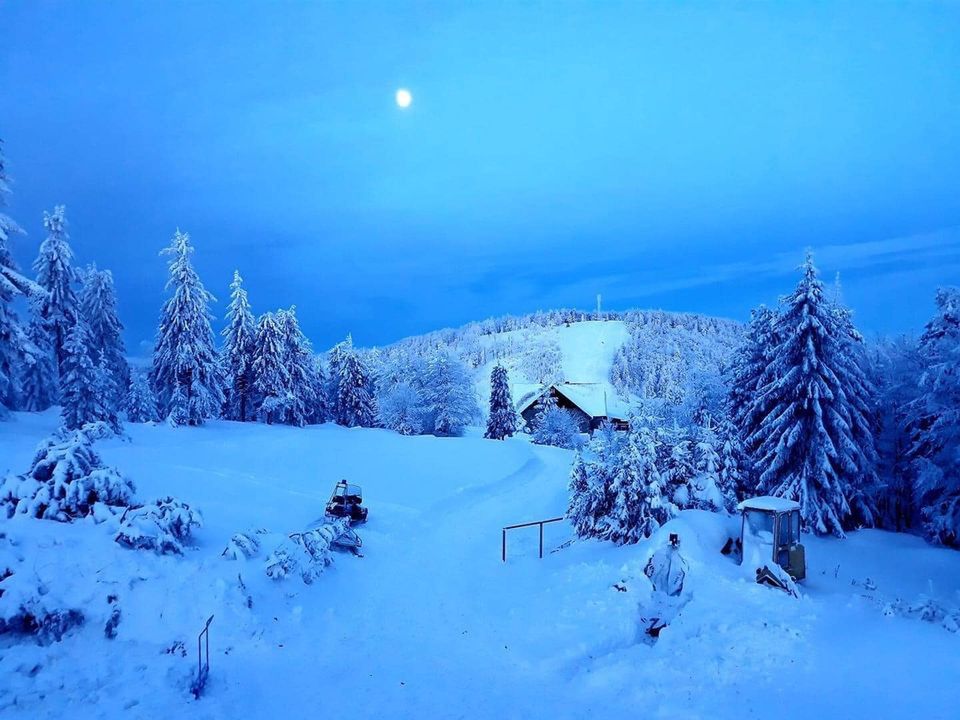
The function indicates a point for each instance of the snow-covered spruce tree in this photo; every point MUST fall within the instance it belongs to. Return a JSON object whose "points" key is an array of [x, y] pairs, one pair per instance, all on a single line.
{"points": [[638, 507], [298, 360], [814, 438], [39, 377], [502, 420], [185, 369], [106, 394], [351, 388], [320, 413], [15, 348], [934, 423], [66, 480], [271, 380], [141, 403], [746, 375], [448, 392], [730, 477], [79, 380], [56, 275], [237, 353], [98, 306], [591, 479], [705, 487], [677, 465]]}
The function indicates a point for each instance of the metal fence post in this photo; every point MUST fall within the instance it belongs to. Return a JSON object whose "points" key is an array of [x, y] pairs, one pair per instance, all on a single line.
{"points": [[541, 541], [503, 546]]}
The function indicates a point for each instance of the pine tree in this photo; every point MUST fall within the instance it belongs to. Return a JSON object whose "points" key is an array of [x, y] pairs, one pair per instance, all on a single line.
{"points": [[706, 493], [271, 379], [56, 275], [677, 461], [352, 401], [730, 477], [141, 403], [449, 395], [79, 381], [934, 422], [320, 412], [502, 421], [237, 353], [591, 480], [639, 507], [186, 372], [298, 360], [98, 306], [39, 379], [813, 434], [16, 350]]}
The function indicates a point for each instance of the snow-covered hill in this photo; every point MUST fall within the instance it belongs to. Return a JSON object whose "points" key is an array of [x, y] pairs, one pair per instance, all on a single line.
{"points": [[628, 355], [430, 622]]}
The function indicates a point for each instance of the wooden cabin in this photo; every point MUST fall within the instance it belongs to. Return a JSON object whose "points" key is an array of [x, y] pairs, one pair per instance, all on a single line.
{"points": [[591, 404]]}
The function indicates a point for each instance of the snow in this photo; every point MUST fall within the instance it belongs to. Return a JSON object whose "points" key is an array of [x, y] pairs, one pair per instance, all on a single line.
{"points": [[430, 622], [770, 503]]}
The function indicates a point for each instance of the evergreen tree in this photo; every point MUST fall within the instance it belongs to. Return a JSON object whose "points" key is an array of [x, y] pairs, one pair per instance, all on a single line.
{"points": [[502, 421], [141, 403], [98, 306], [80, 382], [271, 379], [106, 394], [16, 350], [237, 353], [812, 429], [320, 412], [591, 480], [40, 374], [638, 507], [448, 392], [705, 487], [352, 399], [298, 360], [56, 275], [185, 368], [730, 478], [677, 461], [934, 423]]}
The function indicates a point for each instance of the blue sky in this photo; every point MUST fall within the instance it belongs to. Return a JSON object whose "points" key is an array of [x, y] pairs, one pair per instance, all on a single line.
{"points": [[667, 155]]}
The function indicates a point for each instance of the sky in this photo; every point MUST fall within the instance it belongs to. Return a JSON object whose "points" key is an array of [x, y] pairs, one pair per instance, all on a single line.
{"points": [[665, 155]]}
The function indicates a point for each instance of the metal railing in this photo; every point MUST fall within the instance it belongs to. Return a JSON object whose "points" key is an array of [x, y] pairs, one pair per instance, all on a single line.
{"points": [[203, 668], [541, 523]]}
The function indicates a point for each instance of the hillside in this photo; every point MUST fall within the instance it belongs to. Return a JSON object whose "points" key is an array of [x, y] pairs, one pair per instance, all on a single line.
{"points": [[430, 622], [632, 354]]}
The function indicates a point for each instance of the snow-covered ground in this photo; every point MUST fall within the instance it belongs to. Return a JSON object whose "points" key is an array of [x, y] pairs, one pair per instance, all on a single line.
{"points": [[430, 623]]}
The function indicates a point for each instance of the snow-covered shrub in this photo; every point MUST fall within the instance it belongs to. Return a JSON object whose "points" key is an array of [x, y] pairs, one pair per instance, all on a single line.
{"points": [[163, 526], [926, 609], [400, 408], [243, 545], [556, 426], [66, 480], [27, 607], [306, 554]]}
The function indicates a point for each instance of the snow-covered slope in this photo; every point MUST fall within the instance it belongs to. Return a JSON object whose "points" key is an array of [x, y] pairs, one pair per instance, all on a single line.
{"points": [[430, 623]]}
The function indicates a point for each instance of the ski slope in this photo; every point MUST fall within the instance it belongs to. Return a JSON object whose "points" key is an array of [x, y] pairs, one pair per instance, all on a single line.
{"points": [[430, 623]]}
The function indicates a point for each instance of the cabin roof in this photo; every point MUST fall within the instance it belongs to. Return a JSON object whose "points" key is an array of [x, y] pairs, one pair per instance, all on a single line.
{"points": [[769, 504], [594, 399]]}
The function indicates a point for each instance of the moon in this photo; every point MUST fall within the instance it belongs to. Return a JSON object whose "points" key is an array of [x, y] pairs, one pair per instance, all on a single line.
{"points": [[404, 98]]}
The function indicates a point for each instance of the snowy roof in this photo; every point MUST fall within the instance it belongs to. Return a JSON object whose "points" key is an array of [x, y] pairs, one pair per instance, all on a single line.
{"points": [[595, 399], [769, 503]]}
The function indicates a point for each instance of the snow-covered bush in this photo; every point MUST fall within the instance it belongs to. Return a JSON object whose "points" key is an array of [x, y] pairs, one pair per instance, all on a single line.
{"points": [[306, 554], [556, 426], [67, 480], [163, 526], [29, 608], [243, 545]]}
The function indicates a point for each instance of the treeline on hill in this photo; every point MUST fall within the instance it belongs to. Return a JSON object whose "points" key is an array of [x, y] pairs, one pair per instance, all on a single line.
{"points": [[796, 404], [859, 435]]}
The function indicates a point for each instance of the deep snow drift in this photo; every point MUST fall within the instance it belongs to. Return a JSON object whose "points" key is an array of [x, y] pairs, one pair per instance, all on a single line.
{"points": [[430, 623]]}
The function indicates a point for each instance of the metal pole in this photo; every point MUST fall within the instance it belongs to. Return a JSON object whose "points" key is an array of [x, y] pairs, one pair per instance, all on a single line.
{"points": [[541, 541], [503, 546], [199, 661]]}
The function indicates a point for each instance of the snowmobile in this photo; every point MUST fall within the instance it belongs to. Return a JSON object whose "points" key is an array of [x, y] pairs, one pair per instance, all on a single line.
{"points": [[347, 501], [770, 540]]}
